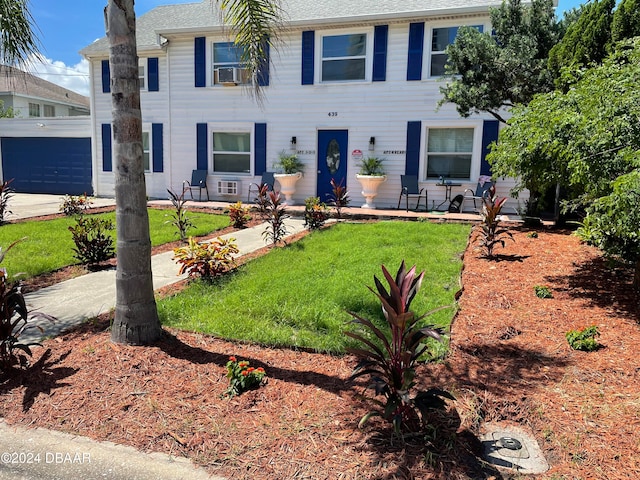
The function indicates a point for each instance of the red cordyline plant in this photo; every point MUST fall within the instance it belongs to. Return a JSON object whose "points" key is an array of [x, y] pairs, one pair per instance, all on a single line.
{"points": [[492, 233], [390, 360]]}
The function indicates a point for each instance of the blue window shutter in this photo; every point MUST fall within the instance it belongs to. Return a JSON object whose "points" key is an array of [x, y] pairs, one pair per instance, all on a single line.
{"points": [[106, 148], [380, 36], [106, 77], [490, 130], [416, 46], [260, 149], [158, 153], [308, 46], [263, 71], [202, 160], [153, 82], [414, 131], [200, 65]]}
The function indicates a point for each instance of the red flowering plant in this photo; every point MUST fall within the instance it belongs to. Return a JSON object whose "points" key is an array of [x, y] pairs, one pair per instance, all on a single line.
{"points": [[242, 377]]}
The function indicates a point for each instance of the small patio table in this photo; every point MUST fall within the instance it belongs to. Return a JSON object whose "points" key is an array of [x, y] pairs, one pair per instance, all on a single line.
{"points": [[447, 184]]}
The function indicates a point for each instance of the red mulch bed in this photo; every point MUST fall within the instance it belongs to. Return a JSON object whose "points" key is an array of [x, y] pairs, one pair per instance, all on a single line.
{"points": [[509, 362]]}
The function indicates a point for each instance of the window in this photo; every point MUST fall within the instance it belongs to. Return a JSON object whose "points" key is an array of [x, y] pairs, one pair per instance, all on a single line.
{"points": [[146, 151], [142, 77], [227, 64], [49, 111], [441, 38], [449, 152], [34, 109], [231, 152], [344, 57]]}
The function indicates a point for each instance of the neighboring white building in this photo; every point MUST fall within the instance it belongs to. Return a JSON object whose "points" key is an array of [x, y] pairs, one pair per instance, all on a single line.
{"points": [[362, 74], [33, 97]]}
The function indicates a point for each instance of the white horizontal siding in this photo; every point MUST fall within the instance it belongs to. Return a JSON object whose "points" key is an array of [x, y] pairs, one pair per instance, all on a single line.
{"points": [[367, 109]]}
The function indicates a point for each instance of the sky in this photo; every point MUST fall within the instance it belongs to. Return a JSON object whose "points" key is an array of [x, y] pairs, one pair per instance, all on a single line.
{"points": [[64, 27]]}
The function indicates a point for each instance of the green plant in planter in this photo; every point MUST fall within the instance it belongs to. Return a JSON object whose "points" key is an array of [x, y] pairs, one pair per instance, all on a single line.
{"points": [[389, 355], [584, 339], [372, 166], [289, 163]]}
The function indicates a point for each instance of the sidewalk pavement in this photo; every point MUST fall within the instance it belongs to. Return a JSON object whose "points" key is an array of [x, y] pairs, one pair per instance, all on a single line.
{"points": [[38, 454]]}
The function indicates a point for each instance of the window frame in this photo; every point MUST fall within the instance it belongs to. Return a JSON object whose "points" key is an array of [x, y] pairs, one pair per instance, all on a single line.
{"points": [[53, 110], [147, 130], [429, 43], [368, 32], [213, 128], [142, 79], [214, 65], [476, 153], [34, 107]]}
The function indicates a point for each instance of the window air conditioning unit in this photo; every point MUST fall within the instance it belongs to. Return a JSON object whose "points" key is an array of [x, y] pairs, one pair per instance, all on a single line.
{"points": [[227, 187], [229, 75]]}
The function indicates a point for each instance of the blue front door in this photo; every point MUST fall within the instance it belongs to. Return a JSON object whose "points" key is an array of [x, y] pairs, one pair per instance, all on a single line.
{"points": [[332, 160]]}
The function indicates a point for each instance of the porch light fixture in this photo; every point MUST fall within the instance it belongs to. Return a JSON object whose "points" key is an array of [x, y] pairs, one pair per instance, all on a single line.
{"points": [[372, 144], [294, 141]]}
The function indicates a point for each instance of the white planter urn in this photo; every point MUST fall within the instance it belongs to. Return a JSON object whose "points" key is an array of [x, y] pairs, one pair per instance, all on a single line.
{"points": [[370, 184], [287, 183]]}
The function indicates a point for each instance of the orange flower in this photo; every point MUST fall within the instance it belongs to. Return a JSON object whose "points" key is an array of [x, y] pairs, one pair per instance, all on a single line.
{"points": [[260, 369], [233, 359], [244, 373], [251, 369]]}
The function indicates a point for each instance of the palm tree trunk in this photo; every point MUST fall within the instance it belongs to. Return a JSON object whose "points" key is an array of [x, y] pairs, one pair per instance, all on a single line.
{"points": [[136, 317]]}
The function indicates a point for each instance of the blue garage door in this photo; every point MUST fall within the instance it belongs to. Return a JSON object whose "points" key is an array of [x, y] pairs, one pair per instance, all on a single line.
{"points": [[48, 165]]}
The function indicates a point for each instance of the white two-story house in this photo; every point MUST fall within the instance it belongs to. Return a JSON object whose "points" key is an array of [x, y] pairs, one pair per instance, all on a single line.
{"points": [[362, 74]]}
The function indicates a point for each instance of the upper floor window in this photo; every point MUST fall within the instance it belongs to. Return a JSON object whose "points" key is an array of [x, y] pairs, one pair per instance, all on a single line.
{"points": [[231, 152], [227, 64], [49, 110], [449, 152], [34, 109], [441, 38], [344, 57]]}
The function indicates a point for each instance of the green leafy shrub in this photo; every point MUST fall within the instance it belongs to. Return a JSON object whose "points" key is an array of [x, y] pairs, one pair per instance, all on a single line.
{"points": [[584, 339], [75, 205], [289, 163], [315, 213], [390, 360], [14, 321], [6, 192], [491, 234], [372, 166], [542, 291], [179, 217], [93, 244], [275, 215], [339, 198], [238, 215], [262, 201], [242, 377], [206, 260]]}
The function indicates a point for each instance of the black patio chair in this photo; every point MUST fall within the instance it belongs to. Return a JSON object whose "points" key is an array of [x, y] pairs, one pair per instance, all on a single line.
{"points": [[410, 187], [267, 178], [199, 182]]}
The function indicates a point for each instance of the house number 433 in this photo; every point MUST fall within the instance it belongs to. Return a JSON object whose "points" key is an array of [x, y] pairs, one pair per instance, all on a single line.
{"points": [[333, 114]]}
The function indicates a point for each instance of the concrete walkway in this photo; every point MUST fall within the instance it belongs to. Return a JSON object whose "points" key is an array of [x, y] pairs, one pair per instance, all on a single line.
{"points": [[73, 301]]}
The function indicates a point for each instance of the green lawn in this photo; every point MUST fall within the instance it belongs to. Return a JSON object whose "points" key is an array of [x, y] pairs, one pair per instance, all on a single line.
{"points": [[49, 246], [298, 295]]}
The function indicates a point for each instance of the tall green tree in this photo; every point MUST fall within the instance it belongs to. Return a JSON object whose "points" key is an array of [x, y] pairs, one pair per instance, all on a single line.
{"points": [[588, 141], [6, 112], [253, 23], [17, 37], [626, 20], [493, 71], [587, 40]]}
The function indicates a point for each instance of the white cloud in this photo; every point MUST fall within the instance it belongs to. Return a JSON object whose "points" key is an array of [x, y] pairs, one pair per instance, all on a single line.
{"points": [[75, 78]]}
